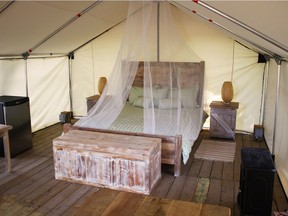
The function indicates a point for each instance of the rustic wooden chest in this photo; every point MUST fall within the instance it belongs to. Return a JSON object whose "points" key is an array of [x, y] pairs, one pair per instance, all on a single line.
{"points": [[128, 163]]}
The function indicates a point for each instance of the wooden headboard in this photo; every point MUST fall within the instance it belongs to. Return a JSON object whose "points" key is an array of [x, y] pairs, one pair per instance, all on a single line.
{"points": [[187, 72]]}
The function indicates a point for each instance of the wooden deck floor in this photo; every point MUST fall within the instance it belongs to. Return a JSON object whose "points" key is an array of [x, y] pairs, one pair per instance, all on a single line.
{"points": [[31, 188]]}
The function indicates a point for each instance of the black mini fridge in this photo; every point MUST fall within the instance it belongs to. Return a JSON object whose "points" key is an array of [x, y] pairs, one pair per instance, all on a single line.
{"points": [[256, 182], [15, 111]]}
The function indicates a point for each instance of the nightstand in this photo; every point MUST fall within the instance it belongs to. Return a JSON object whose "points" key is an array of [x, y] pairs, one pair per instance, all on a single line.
{"points": [[91, 101], [223, 119]]}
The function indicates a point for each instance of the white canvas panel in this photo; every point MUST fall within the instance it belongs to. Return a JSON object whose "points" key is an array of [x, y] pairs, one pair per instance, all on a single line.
{"points": [[13, 77], [247, 83], [48, 80], [94, 60], [281, 144], [82, 79], [270, 101]]}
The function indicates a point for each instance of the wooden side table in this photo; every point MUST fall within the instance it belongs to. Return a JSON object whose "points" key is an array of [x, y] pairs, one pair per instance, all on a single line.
{"points": [[4, 134], [91, 101], [223, 119]]}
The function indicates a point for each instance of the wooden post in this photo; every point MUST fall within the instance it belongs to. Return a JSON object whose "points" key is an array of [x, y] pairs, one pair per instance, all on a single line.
{"points": [[4, 133]]}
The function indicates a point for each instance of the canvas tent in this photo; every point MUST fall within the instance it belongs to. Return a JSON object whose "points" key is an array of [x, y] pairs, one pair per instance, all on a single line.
{"points": [[54, 52]]}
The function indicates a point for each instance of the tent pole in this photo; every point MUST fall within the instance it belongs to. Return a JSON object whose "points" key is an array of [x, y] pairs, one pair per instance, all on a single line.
{"points": [[70, 57], [264, 90], [248, 28], [276, 105], [26, 76], [158, 31], [25, 57], [6, 6]]}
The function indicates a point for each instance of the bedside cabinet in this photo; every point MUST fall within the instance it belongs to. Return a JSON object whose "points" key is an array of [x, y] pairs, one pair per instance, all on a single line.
{"points": [[223, 119], [91, 101]]}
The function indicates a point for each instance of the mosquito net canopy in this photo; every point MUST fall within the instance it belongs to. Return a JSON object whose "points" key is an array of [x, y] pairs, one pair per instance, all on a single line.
{"points": [[153, 88]]}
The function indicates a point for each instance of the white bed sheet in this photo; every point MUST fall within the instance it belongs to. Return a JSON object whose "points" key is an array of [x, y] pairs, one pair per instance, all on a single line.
{"points": [[131, 119]]}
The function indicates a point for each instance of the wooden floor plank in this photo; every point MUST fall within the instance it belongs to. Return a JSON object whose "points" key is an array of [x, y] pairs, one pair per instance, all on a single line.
{"points": [[21, 196], [23, 189], [236, 169], [23, 167], [188, 191], [195, 167], [236, 211], [30, 189], [75, 207], [206, 168], [59, 197], [177, 187], [154, 206], [125, 204], [97, 203], [184, 208], [32, 183], [7, 184], [44, 197], [164, 186], [227, 173], [33, 200], [214, 192], [248, 141], [217, 169], [227, 194], [61, 207]]}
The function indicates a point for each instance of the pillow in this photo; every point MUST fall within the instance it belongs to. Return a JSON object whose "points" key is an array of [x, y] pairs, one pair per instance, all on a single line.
{"points": [[135, 93], [166, 103], [139, 102], [158, 94], [173, 93], [189, 96]]}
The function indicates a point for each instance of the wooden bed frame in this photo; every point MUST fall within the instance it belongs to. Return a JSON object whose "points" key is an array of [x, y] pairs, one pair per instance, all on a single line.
{"points": [[171, 147]]}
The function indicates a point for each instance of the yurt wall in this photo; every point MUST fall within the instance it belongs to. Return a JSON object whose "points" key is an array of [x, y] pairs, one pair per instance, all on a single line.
{"points": [[277, 138], [94, 60], [44, 80], [48, 81], [13, 77]]}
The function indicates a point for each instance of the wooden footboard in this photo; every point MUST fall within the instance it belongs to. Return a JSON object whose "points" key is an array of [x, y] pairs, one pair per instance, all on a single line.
{"points": [[170, 149]]}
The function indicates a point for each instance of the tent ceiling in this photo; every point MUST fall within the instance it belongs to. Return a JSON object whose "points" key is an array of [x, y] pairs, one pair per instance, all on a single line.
{"points": [[264, 17], [24, 25]]}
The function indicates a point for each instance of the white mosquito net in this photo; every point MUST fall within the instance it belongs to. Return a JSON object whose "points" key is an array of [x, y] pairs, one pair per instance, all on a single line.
{"points": [[167, 100]]}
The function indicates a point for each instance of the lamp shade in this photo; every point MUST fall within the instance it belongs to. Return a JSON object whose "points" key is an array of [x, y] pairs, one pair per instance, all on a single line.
{"points": [[227, 92], [101, 84]]}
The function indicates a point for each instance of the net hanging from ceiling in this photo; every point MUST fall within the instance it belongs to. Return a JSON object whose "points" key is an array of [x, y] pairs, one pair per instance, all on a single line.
{"points": [[148, 82]]}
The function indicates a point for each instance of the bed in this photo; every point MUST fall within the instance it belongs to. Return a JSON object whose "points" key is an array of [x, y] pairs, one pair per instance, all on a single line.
{"points": [[130, 120]]}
